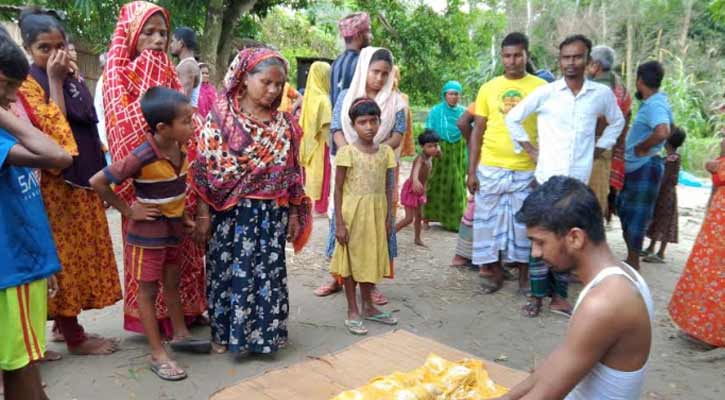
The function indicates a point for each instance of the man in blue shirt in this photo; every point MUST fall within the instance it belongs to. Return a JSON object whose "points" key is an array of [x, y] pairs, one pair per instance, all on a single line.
{"points": [[27, 251], [643, 166]]}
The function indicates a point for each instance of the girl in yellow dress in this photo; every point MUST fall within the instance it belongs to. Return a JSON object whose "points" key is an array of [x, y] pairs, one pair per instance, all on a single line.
{"points": [[362, 224]]}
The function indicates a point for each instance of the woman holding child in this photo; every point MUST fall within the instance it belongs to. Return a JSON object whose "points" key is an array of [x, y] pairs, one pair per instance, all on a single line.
{"points": [[248, 174], [137, 61]]}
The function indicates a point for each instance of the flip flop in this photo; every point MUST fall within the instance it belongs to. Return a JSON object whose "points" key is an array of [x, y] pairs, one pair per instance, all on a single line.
{"points": [[168, 370], [531, 309], [489, 286], [356, 327], [563, 313], [326, 290], [508, 275], [384, 318], [653, 259], [378, 298], [191, 345], [217, 348], [51, 356], [645, 253]]}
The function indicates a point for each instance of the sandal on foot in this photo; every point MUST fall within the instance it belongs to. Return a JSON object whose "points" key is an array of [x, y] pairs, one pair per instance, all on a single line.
{"points": [[168, 370], [531, 309], [217, 348], [51, 356], [356, 327], [563, 313], [508, 275], [653, 259], [378, 298], [326, 290], [384, 318], [489, 286], [191, 345]]}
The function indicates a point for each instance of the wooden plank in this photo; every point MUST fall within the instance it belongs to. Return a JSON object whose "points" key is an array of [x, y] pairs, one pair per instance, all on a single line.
{"points": [[324, 377]]}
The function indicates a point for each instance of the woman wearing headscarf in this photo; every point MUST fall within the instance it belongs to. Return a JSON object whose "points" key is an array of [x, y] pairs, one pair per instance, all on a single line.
{"points": [[60, 105], [374, 79], [207, 91], [315, 121], [137, 61], [446, 190], [248, 174]]}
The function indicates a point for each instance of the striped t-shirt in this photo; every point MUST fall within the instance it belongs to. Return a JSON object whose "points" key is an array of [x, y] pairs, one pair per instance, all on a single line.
{"points": [[156, 180]]}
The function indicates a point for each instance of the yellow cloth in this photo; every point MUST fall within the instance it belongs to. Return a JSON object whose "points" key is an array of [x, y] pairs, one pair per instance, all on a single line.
{"points": [[364, 212], [315, 122], [495, 98], [599, 180], [436, 379], [288, 98]]}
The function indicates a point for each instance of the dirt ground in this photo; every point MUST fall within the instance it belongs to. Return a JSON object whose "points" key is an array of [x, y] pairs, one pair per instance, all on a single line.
{"points": [[430, 298]]}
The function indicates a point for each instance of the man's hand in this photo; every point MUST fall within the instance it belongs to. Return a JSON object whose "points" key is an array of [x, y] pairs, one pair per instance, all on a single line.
{"points": [[202, 229], [293, 227], [472, 183], [531, 150], [144, 212], [52, 286], [640, 150]]}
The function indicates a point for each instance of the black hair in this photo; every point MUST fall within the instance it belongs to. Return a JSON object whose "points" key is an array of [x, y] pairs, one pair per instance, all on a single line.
{"points": [[516, 39], [577, 38], [161, 105], [13, 62], [363, 106], [382, 55], [268, 62], [563, 203], [34, 21], [428, 136], [677, 137], [188, 37], [651, 74]]}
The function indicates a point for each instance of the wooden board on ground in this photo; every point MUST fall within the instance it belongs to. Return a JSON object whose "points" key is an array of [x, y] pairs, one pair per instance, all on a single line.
{"points": [[322, 378]]}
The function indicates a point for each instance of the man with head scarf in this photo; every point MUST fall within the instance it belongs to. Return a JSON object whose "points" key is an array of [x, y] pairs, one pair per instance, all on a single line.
{"points": [[498, 176], [357, 33], [608, 170]]}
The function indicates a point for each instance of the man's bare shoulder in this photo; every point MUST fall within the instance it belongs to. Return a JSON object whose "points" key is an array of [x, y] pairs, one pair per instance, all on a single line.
{"points": [[615, 297]]}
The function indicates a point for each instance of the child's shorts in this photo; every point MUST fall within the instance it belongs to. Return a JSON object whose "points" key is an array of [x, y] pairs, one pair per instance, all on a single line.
{"points": [[23, 312], [147, 265], [410, 199]]}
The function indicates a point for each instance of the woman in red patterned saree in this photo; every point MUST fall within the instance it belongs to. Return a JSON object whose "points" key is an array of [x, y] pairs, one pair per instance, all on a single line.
{"points": [[137, 61], [697, 306]]}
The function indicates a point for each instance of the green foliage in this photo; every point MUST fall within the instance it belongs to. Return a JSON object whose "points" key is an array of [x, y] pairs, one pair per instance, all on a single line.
{"points": [[686, 98], [697, 151]]}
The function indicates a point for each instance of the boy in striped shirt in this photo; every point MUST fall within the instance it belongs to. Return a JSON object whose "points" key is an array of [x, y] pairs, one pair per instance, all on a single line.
{"points": [[158, 168]]}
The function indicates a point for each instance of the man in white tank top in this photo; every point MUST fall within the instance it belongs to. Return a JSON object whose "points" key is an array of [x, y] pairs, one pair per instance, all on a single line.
{"points": [[605, 351], [183, 45]]}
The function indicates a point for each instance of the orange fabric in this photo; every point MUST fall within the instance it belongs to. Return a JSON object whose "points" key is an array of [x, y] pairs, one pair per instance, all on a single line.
{"points": [[126, 78], [89, 275], [698, 301], [408, 139]]}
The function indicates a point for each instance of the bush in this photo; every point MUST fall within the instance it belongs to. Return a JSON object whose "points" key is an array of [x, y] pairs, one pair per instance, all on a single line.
{"points": [[696, 151]]}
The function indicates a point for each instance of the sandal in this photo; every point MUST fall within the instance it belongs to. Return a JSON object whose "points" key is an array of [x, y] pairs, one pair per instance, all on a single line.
{"points": [[327, 289], [653, 259], [378, 298], [489, 286], [51, 356], [384, 318], [531, 309], [191, 345], [168, 370], [356, 327], [217, 348], [564, 313]]}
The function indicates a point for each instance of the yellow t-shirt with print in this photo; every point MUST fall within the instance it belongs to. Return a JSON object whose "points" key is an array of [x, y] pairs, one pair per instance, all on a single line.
{"points": [[495, 98]]}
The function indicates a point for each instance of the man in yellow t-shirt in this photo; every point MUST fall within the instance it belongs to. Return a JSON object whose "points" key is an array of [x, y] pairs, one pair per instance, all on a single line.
{"points": [[498, 177]]}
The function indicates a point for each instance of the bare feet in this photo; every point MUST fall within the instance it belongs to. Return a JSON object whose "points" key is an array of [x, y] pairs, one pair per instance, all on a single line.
{"points": [[484, 271], [426, 225], [217, 348], [95, 346], [378, 298], [560, 306], [328, 288], [51, 356], [459, 261], [420, 243]]}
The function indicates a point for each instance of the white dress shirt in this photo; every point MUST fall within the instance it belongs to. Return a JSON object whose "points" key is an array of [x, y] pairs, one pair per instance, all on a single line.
{"points": [[566, 127]]}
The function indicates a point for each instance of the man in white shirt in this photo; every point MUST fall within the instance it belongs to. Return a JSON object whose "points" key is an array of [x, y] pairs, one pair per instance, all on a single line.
{"points": [[567, 112]]}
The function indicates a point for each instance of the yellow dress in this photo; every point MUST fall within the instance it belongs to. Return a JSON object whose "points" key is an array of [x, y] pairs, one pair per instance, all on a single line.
{"points": [[364, 211], [436, 379]]}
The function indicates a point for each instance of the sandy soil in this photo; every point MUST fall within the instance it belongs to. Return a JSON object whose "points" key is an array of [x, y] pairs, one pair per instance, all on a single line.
{"points": [[430, 298]]}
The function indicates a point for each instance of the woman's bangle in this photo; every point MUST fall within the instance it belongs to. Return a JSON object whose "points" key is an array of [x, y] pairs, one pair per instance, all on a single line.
{"points": [[205, 217]]}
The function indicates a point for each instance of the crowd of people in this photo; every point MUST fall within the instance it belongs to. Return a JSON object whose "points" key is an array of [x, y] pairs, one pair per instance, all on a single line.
{"points": [[212, 183]]}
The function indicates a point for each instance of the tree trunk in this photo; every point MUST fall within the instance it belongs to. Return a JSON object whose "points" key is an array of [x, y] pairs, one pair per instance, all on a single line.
{"points": [[216, 43], [630, 51], [212, 34], [686, 26]]}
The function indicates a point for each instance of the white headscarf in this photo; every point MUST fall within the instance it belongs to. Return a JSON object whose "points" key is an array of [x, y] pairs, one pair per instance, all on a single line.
{"points": [[389, 101]]}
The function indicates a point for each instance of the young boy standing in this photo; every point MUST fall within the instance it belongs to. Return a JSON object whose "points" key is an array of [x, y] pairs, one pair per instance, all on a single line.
{"points": [[28, 258], [158, 168]]}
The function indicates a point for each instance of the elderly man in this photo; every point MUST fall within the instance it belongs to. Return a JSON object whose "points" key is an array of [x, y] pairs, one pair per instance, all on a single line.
{"points": [[608, 169], [567, 112]]}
